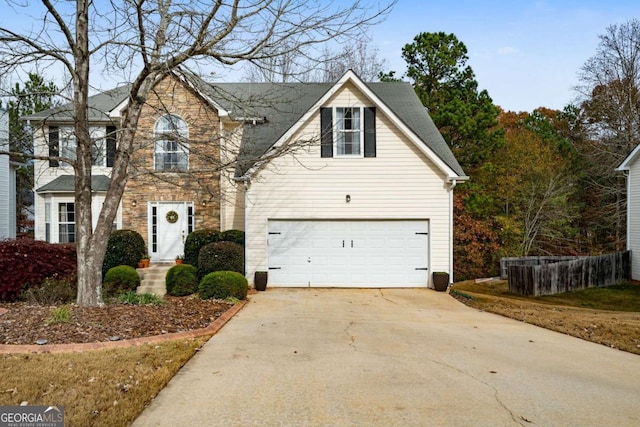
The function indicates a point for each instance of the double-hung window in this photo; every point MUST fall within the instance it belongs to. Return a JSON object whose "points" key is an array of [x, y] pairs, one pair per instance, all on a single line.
{"points": [[66, 223], [348, 132], [171, 148], [64, 143]]}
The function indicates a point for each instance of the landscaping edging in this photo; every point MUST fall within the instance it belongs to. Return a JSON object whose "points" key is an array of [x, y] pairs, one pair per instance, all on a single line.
{"points": [[214, 327]]}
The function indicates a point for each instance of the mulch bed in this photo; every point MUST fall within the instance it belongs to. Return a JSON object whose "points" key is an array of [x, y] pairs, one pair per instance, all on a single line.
{"points": [[26, 323]]}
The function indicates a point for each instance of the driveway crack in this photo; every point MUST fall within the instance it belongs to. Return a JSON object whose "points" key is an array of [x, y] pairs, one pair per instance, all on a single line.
{"points": [[352, 337], [520, 420], [385, 298]]}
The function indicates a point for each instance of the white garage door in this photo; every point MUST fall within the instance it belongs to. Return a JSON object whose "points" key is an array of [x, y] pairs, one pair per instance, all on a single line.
{"points": [[359, 253]]}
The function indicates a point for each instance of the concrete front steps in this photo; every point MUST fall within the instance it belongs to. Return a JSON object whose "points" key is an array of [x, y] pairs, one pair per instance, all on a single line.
{"points": [[153, 279]]}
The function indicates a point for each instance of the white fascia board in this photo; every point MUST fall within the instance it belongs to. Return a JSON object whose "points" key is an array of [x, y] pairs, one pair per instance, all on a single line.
{"points": [[117, 111], [352, 77], [221, 111], [626, 163]]}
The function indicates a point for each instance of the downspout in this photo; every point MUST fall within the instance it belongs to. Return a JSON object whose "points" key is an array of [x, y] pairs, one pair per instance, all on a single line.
{"points": [[453, 182], [245, 182], [628, 185]]}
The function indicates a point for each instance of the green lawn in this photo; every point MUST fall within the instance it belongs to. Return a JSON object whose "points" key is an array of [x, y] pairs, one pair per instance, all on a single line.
{"points": [[622, 297]]}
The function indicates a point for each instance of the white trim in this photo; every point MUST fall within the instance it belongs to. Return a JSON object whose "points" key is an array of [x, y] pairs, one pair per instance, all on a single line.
{"points": [[350, 76], [626, 163], [337, 130], [117, 111]]}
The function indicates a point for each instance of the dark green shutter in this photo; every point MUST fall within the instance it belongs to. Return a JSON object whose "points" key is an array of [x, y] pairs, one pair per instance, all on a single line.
{"points": [[54, 145], [111, 145], [326, 132], [370, 131]]}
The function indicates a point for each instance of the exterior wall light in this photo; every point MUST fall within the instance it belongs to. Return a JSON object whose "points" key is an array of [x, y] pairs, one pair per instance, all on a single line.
{"points": [[348, 198], [134, 203]]}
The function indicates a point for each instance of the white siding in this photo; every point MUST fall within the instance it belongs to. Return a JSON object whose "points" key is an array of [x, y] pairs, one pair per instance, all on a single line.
{"points": [[231, 192], [400, 183], [45, 174], [6, 201], [633, 218]]}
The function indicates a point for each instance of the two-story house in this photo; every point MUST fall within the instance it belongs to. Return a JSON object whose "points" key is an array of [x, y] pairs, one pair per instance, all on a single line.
{"points": [[343, 184]]}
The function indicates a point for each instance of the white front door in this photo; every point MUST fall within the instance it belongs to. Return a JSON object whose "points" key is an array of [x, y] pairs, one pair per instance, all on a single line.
{"points": [[168, 228], [342, 253]]}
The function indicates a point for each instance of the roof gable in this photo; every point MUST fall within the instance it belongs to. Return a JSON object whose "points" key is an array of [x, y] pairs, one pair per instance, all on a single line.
{"points": [[397, 101], [626, 163], [273, 112]]}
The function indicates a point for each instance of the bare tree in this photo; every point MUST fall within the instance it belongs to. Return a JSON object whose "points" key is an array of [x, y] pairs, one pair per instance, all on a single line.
{"points": [[325, 66], [610, 91], [140, 41]]}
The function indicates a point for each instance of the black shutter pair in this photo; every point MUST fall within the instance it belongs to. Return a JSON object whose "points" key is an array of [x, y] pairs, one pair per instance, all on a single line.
{"points": [[326, 132], [54, 145]]}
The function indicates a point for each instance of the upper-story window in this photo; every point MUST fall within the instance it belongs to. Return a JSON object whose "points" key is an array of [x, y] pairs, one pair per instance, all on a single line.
{"points": [[63, 143], [171, 151], [348, 132]]}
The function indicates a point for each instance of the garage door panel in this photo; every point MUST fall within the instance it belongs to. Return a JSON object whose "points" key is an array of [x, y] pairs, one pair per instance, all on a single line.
{"points": [[358, 253]]}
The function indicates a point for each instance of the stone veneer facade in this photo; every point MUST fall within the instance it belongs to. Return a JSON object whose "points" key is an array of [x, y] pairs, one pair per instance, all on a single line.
{"points": [[200, 184]]}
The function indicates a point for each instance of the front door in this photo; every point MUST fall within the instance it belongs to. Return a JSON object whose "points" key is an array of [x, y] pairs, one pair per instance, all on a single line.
{"points": [[168, 227]]}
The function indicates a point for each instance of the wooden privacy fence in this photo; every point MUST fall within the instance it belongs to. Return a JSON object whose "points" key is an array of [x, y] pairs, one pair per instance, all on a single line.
{"points": [[505, 263], [550, 278]]}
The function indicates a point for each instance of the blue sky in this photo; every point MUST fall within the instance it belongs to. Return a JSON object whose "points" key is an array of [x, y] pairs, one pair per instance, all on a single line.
{"points": [[527, 54]]}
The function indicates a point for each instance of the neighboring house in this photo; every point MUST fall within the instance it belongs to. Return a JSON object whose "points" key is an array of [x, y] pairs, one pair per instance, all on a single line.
{"points": [[631, 166], [344, 184], [7, 183]]}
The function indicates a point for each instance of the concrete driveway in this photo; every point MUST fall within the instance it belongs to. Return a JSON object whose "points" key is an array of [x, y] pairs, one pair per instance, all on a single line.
{"points": [[403, 357]]}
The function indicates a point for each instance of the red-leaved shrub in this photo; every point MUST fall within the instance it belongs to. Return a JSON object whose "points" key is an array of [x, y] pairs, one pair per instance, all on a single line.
{"points": [[25, 263]]}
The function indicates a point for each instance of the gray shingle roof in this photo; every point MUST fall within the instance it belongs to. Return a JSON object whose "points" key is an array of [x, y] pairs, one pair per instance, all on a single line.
{"points": [[282, 105], [65, 184], [99, 107]]}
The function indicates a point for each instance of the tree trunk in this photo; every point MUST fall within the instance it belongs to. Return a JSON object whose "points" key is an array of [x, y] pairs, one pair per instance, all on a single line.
{"points": [[89, 269]]}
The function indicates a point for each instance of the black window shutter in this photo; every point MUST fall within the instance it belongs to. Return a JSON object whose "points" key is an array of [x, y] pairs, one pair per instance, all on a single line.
{"points": [[54, 145], [326, 132], [370, 131], [111, 145]]}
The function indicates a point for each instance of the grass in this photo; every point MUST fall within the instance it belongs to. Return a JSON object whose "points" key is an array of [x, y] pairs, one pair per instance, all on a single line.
{"points": [[608, 316], [134, 298], [60, 314], [96, 388]]}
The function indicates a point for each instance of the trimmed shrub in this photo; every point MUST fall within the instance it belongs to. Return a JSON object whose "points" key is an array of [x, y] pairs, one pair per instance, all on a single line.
{"points": [[221, 256], [120, 280], [182, 280], [25, 263], [236, 236], [195, 241], [125, 247], [222, 285]]}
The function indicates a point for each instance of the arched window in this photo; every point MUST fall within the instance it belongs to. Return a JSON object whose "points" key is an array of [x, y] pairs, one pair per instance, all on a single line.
{"points": [[171, 135]]}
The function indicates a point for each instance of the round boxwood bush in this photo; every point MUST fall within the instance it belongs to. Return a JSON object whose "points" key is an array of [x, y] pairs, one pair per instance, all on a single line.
{"points": [[182, 280], [125, 247], [222, 285], [236, 236], [195, 241], [221, 256], [120, 280]]}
